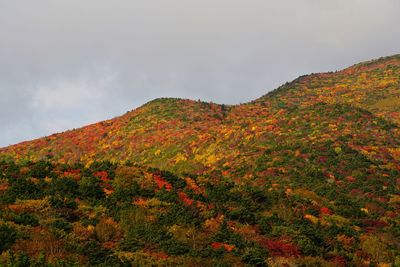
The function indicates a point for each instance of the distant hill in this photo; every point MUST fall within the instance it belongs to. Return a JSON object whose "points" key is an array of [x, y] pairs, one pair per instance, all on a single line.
{"points": [[356, 107]]}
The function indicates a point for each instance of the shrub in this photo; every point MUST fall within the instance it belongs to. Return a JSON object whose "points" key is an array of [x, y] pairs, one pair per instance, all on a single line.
{"points": [[62, 225], [89, 188], [255, 256], [26, 219], [7, 237], [106, 230]]}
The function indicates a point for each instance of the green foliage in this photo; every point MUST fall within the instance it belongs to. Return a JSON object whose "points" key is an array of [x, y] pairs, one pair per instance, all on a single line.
{"points": [[22, 189], [59, 202], [7, 237], [64, 187], [62, 225], [26, 219], [178, 214], [89, 188], [226, 235], [40, 169], [255, 256], [99, 256]]}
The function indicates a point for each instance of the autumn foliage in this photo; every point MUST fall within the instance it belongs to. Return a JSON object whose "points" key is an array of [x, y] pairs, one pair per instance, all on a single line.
{"points": [[306, 175]]}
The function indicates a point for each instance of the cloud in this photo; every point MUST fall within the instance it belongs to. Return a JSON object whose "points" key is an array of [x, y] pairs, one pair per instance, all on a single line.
{"points": [[67, 63], [72, 93]]}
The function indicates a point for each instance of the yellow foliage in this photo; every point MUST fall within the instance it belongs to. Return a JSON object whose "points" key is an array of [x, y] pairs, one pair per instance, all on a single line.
{"points": [[364, 210], [213, 223], [307, 194], [80, 231], [387, 103], [337, 219], [311, 218], [180, 157], [394, 199], [90, 228], [395, 152], [211, 160], [89, 163], [338, 150]]}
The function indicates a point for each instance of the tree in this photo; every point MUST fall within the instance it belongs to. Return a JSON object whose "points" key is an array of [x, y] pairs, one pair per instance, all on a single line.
{"points": [[7, 237], [375, 247], [89, 188]]}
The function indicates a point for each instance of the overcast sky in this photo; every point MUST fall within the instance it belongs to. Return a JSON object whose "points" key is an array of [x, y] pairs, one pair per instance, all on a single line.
{"points": [[67, 63]]}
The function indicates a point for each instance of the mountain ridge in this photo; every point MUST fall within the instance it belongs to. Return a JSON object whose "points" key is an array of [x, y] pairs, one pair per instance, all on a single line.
{"points": [[272, 92], [366, 88]]}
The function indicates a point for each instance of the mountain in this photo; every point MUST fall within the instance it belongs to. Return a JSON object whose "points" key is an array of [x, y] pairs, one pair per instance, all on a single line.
{"points": [[191, 136], [306, 175]]}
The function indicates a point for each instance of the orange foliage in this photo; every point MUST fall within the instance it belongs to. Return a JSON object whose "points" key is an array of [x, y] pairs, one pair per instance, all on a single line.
{"points": [[162, 183], [185, 199], [227, 247]]}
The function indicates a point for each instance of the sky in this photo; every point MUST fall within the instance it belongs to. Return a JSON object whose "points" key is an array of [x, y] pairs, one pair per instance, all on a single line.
{"points": [[68, 63]]}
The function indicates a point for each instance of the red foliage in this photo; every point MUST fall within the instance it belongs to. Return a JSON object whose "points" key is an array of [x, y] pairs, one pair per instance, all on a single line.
{"points": [[75, 174], [339, 261], [280, 248], [322, 159], [102, 175], [157, 254], [162, 183], [374, 223], [185, 199], [218, 245], [355, 192], [326, 211], [109, 244]]}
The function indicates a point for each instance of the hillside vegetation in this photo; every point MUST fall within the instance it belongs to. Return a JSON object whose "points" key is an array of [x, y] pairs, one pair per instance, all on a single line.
{"points": [[307, 175]]}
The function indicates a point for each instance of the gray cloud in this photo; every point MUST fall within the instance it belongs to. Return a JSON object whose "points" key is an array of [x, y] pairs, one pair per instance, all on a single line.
{"points": [[64, 64]]}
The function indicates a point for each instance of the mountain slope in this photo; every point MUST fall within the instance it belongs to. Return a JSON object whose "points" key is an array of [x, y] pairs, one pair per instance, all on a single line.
{"points": [[372, 85], [307, 175], [189, 136]]}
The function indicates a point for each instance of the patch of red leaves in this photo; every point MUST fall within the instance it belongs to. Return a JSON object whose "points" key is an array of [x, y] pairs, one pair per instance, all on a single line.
{"points": [[339, 261], [162, 183], [280, 248], [325, 211], [218, 245], [102, 175], [75, 174], [185, 199]]}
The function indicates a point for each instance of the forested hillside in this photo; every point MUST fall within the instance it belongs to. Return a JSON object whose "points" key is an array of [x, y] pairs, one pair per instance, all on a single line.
{"points": [[307, 175]]}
